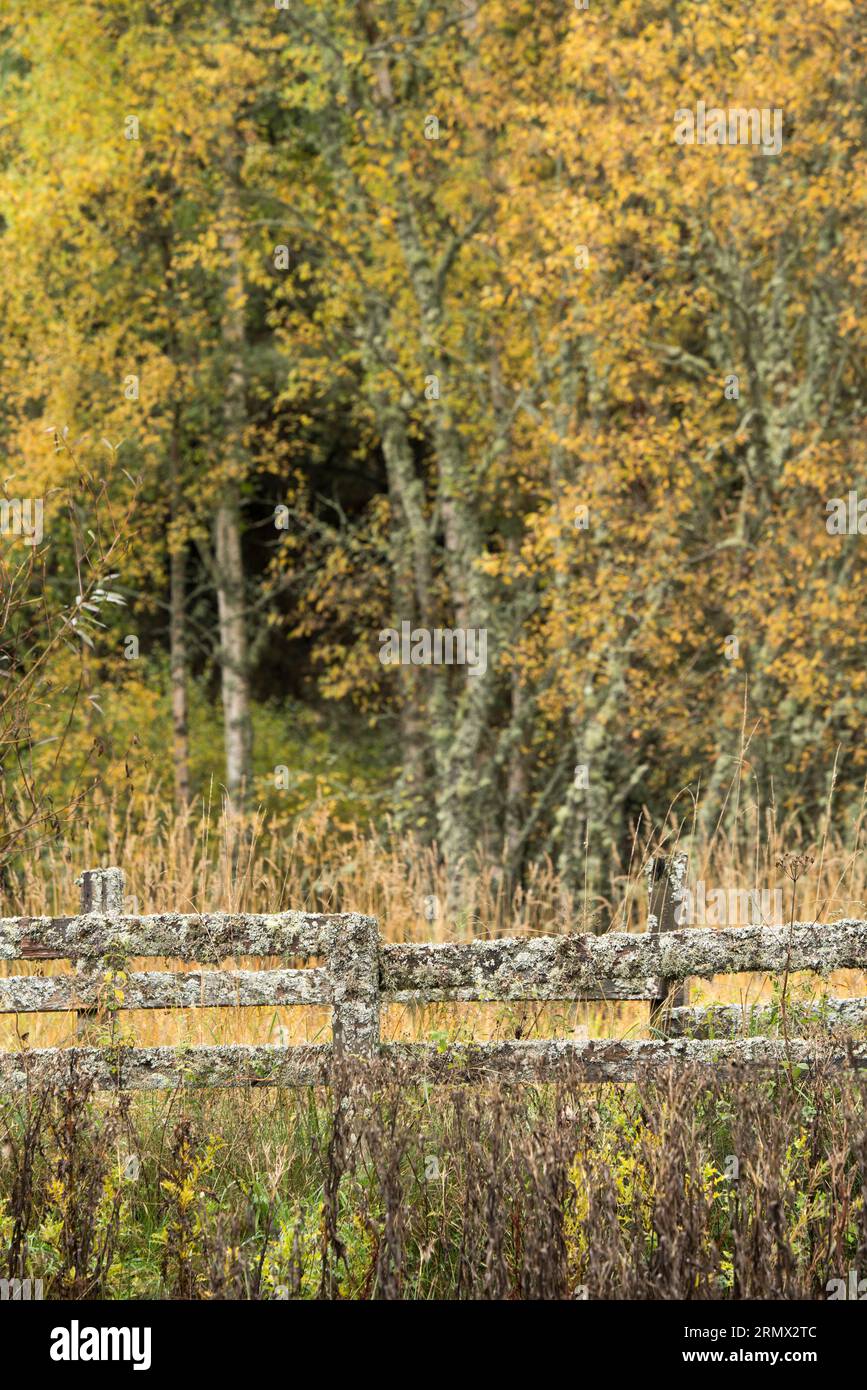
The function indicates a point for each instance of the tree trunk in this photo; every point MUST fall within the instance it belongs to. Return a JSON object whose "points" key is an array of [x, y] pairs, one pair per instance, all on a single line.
{"points": [[411, 588], [177, 552], [178, 645], [466, 791], [516, 783], [233, 648], [227, 521], [178, 639]]}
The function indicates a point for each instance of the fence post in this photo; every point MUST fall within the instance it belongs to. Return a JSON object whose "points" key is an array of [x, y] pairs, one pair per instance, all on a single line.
{"points": [[101, 891], [666, 879], [353, 968]]}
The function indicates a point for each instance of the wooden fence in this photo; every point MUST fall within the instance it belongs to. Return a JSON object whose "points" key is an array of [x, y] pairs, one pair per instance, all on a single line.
{"points": [[359, 973]]}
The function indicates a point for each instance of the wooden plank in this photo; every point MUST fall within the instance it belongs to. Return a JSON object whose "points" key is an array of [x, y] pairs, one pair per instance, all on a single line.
{"points": [[557, 967], [608, 1059], [100, 890], [508, 967], [666, 877], [503, 990], [602, 1060], [208, 989], [204, 937], [352, 969], [164, 1068], [731, 1020]]}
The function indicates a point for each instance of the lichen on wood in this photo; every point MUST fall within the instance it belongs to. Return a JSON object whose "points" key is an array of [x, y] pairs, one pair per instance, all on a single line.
{"points": [[359, 973], [164, 1068], [174, 989], [598, 1060], [202, 937], [609, 1059], [353, 971], [556, 967], [732, 1020]]}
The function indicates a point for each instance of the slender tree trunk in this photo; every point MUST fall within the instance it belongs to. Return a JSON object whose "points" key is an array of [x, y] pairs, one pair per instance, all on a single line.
{"points": [[178, 644], [177, 555], [233, 647], [414, 783], [407, 491], [460, 712], [178, 639], [234, 641], [516, 782], [411, 587]]}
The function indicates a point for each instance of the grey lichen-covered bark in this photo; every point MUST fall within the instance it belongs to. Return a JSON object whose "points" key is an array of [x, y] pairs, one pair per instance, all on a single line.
{"points": [[666, 883], [610, 1060], [227, 549], [353, 972], [459, 724], [557, 967], [732, 1020], [101, 890], [203, 937], [412, 585], [177, 989], [178, 671], [231, 610], [163, 1068]]}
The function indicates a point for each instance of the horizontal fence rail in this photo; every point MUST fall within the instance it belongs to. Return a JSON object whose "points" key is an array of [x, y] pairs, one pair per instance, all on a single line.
{"points": [[304, 1064], [193, 989], [618, 965], [732, 1020], [359, 974], [214, 936]]}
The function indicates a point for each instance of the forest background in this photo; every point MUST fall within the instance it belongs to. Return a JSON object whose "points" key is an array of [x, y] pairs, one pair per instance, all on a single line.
{"points": [[321, 319]]}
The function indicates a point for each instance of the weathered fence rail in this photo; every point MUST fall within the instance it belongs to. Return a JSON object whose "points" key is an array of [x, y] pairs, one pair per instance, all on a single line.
{"points": [[359, 974], [732, 1020], [606, 1059], [619, 965]]}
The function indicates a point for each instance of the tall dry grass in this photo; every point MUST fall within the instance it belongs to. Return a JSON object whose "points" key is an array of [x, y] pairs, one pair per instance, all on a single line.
{"points": [[207, 858]]}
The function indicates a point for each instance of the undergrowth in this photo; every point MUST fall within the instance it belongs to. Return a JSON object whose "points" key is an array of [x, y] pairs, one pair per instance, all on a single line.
{"points": [[384, 1187]]}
